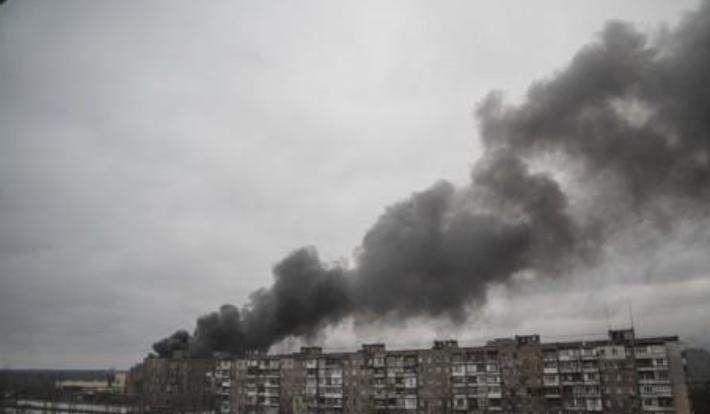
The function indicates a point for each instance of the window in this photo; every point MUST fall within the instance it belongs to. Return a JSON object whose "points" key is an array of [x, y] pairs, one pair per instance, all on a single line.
{"points": [[458, 369]]}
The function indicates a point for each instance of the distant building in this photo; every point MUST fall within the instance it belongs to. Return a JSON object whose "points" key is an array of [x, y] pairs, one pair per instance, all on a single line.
{"points": [[114, 383], [83, 386], [619, 375]]}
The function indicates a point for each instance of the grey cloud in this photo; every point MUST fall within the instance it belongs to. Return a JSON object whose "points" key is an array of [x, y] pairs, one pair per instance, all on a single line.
{"points": [[428, 256]]}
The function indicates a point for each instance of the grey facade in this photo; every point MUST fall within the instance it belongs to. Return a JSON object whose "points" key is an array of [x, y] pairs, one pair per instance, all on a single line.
{"points": [[619, 375]]}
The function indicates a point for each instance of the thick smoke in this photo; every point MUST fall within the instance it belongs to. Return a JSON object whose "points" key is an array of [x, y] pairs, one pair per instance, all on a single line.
{"points": [[306, 296], [180, 340], [620, 137]]}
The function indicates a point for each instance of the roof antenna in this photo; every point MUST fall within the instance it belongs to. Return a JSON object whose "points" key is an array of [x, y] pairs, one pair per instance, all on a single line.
{"points": [[631, 313], [606, 312]]}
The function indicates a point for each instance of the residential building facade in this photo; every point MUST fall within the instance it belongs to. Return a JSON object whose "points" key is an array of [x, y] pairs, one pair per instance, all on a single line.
{"points": [[621, 374]]}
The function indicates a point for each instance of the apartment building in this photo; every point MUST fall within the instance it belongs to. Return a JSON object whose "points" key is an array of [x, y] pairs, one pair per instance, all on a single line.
{"points": [[220, 383], [177, 384], [257, 384], [621, 374]]}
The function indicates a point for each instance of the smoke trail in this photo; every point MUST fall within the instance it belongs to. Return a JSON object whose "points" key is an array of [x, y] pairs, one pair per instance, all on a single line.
{"points": [[628, 124]]}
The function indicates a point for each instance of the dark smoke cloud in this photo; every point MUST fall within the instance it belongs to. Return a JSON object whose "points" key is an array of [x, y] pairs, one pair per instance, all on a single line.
{"points": [[180, 340], [425, 257], [626, 124], [625, 111], [306, 296]]}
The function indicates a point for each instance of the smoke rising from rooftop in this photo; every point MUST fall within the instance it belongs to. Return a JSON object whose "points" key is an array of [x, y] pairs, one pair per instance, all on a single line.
{"points": [[625, 123]]}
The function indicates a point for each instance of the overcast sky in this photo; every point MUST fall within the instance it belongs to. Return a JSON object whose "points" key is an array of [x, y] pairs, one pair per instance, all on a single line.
{"points": [[157, 158]]}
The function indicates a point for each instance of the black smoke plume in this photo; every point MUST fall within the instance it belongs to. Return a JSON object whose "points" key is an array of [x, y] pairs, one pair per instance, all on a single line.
{"points": [[619, 137]]}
